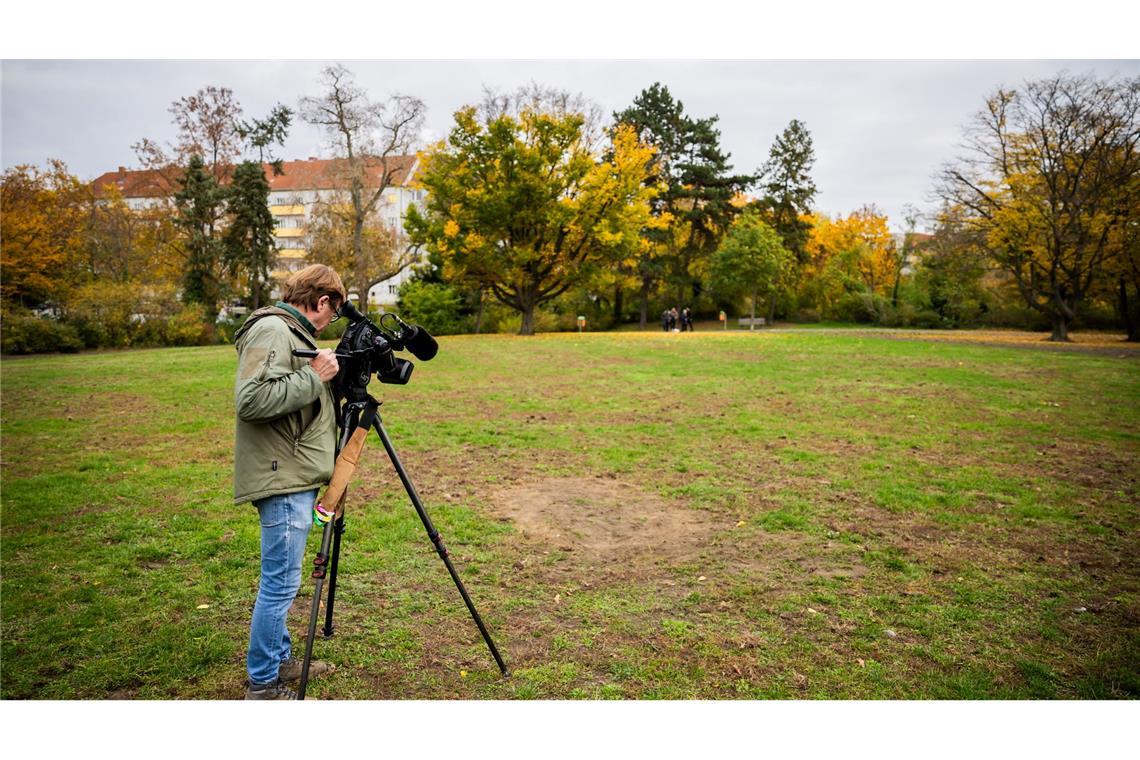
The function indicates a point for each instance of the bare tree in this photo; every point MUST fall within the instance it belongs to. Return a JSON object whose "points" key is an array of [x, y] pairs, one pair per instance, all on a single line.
{"points": [[539, 98], [208, 125], [369, 142]]}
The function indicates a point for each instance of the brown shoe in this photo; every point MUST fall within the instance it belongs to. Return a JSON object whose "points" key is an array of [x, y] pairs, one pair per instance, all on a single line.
{"points": [[290, 670], [268, 691]]}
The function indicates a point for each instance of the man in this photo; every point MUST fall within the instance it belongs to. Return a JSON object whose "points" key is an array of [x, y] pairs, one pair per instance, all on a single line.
{"points": [[284, 450]]}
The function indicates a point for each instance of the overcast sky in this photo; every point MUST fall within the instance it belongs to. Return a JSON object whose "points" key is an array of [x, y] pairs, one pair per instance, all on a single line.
{"points": [[881, 128]]}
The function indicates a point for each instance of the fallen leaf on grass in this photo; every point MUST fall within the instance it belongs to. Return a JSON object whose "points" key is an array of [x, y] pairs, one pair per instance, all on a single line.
{"points": [[558, 598], [203, 606]]}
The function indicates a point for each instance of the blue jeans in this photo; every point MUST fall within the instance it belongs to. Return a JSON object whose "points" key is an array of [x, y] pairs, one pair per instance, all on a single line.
{"points": [[285, 522]]}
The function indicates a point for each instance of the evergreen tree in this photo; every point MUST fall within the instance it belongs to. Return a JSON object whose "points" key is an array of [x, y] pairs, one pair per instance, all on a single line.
{"points": [[697, 193], [788, 187], [199, 205], [248, 247]]}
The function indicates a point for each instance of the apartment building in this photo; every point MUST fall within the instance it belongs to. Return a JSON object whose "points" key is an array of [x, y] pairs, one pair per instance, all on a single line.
{"points": [[293, 196]]}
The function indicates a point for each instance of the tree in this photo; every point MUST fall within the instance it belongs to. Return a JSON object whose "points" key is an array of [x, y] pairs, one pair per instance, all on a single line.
{"points": [[367, 139], [1126, 268], [262, 134], [904, 250], [208, 124], [1046, 178], [520, 205], [247, 243], [41, 225], [199, 207], [788, 187], [126, 245], [248, 248], [696, 196], [847, 254], [752, 259], [951, 271]]}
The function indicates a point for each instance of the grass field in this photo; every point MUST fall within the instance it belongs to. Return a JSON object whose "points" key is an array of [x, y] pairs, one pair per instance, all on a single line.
{"points": [[637, 516]]}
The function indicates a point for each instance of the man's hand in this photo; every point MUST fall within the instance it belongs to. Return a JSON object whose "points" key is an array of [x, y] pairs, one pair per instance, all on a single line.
{"points": [[325, 364]]}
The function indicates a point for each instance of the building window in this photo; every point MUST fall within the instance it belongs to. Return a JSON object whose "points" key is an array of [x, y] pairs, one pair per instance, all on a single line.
{"points": [[393, 288], [290, 222]]}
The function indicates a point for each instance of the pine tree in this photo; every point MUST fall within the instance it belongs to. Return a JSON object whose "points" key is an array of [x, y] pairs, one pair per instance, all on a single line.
{"points": [[248, 247], [697, 194], [199, 206], [788, 187]]}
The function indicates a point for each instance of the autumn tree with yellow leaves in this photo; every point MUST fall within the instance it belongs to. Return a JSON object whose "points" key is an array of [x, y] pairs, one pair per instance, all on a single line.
{"points": [[1049, 180], [846, 254], [42, 224], [527, 207]]}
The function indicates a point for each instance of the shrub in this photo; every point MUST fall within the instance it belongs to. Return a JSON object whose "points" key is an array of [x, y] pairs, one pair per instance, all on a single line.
{"points": [[1014, 315], [24, 333], [808, 315], [929, 319], [864, 308], [436, 306], [189, 327]]}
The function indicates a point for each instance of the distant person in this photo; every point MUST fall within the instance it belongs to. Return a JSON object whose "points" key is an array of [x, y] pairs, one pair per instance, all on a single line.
{"points": [[687, 319], [284, 450], [665, 321], [673, 317]]}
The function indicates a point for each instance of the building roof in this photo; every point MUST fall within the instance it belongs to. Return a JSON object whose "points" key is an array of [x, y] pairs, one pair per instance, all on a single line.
{"points": [[313, 174]]}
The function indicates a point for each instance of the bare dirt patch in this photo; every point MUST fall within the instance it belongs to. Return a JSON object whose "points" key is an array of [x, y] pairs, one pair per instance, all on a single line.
{"points": [[604, 520]]}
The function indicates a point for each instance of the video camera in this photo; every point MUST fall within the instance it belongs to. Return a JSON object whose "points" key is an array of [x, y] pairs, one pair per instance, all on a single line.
{"points": [[367, 348]]}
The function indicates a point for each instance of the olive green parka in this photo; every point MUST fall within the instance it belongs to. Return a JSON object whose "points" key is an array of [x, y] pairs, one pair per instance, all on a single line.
{"points": [[285, 439]]}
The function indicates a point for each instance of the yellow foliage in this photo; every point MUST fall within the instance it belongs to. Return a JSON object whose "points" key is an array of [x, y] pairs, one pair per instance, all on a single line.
{"points": [[858, 247]]}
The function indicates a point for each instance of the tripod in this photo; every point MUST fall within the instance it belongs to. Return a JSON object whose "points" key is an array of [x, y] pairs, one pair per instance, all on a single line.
{"points": [[362, 412]]}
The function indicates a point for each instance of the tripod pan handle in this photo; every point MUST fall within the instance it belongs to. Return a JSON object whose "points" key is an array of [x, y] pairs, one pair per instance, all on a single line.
{"points": [[306, 353]]}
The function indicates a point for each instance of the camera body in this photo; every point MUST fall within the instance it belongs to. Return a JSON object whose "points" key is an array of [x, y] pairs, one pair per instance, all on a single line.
{"points": [[364, 350]]}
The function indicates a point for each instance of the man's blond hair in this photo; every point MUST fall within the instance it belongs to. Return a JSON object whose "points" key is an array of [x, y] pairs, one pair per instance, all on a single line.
{"points": [[306, 287]]}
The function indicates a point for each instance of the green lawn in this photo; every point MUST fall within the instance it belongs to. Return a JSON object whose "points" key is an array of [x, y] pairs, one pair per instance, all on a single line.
{"points": [[637, 516]]}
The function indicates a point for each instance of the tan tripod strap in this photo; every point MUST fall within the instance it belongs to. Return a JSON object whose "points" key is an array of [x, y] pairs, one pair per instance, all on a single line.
{"points": [[342, 473]]}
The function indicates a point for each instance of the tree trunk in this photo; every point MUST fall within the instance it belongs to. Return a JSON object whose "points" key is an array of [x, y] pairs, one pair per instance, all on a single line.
{"points": [[1060, 329], [644, 303], [772, 309], [479, 313], [619, 302], [527, 326], [752, 323], [1126, 316]]}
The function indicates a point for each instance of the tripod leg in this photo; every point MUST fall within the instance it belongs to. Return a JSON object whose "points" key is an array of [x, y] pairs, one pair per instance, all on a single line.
{"points": [[338, 530], [319, 564], [436, 540]]}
